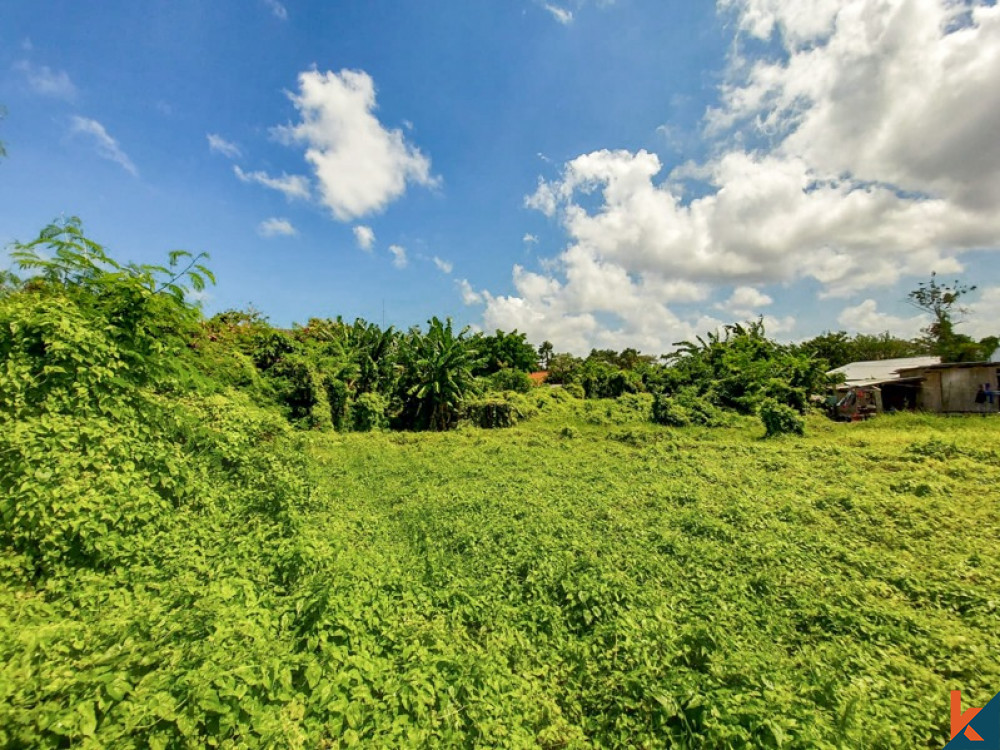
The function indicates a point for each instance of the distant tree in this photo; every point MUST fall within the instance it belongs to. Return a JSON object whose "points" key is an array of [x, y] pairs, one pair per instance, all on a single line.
{"points": [[563, 368], [505, 350], [866, 347], [941, 301], [833, 347], [545, 352]]}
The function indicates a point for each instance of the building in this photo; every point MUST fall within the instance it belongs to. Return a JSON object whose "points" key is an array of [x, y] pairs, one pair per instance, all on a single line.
{"points": [[914, 383], [950, 388], [876, 386]]}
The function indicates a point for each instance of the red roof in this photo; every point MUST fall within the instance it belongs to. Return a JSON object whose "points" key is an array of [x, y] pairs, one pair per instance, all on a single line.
{"points": [[539, 377]]}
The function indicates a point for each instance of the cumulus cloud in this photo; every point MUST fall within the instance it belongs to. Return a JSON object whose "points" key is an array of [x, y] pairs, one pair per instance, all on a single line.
{"points": [[838, 156], [444, 266], [529, 239], [365, 237], [469, 295], [360, 166], [291, 186], [866, 318], [47, 82], [106, 146], [275, 227], [745, 302], [220, 145], [983, 318], [399, 259], [277, 9]]}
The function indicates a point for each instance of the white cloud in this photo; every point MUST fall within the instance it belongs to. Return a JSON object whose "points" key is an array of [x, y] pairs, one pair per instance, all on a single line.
{"points": [[983, 318], [562, 15], [398, 256], [275, 227], [106, 146], [469, 295], [277, 9], [745, 302], [866, 318], [47, 82], [859, 150], [292, 186], [529, 239], [443, 265], [360, 166], [365, 237], [220, 145]]}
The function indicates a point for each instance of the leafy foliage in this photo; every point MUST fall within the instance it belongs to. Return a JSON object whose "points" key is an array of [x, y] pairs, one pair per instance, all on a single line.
{"points": [[368, 413], [779, 419], [500, 351], [181, 568], [740, 368], [941, 301], [438, 374], [837, 348], [498, 410]]}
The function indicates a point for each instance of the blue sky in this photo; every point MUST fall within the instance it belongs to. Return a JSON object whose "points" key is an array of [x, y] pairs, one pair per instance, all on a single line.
{"points": [[597, 173]]}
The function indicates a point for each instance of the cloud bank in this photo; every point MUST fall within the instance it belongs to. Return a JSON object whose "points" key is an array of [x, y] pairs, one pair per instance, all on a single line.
{"points": [[840, 158]]}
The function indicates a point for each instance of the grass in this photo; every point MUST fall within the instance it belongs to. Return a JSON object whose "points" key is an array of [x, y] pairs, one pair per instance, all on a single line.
{"points": [[592, 579], [585, 579]]}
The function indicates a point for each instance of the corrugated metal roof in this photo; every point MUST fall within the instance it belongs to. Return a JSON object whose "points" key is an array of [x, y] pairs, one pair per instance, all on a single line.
{"points": [[881, 370]]}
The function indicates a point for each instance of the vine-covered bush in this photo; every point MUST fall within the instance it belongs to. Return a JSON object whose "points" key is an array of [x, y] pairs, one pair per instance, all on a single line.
{"points": [[509, 380], [498, 410], [368, 413], [99, 446], [779, 419], [668, 412]]}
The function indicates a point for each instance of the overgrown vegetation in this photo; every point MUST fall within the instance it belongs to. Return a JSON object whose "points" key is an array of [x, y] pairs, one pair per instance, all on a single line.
{"points": [[199, 547]]}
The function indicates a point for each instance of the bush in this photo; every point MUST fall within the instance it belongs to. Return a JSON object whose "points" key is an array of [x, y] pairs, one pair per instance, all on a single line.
{"points": [[368, 413], [498, 411], [338, 396], [700, 409], [575, 390], [510, 380], [779, 419], [667, 411], [301, 390]]}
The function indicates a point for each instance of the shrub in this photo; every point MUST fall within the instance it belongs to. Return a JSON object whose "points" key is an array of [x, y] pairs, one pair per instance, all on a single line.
{"points": [[368, 413], [338, 397], [667, 411], [300, 389], [779, 419], [510, 380], [499, 410], [575, 390], [700, 409]]}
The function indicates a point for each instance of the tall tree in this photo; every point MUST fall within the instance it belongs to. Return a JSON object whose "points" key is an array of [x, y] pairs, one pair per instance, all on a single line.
{"points": [[545, 352], [438, 370], [941, 301]]}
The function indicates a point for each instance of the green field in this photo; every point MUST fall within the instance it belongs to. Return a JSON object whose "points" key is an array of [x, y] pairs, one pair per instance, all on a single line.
{"points": [[584, 579]]}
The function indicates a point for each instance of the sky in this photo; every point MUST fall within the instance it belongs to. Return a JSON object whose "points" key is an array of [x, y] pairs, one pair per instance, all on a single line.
{"points": [[596, 173]]}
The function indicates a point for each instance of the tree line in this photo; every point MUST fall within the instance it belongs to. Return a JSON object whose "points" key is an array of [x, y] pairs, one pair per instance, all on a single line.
{"points": [[335, 374]]}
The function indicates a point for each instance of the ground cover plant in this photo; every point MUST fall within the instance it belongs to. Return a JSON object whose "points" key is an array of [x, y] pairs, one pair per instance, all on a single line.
{"points": [[627, 586], [209, 536]]}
